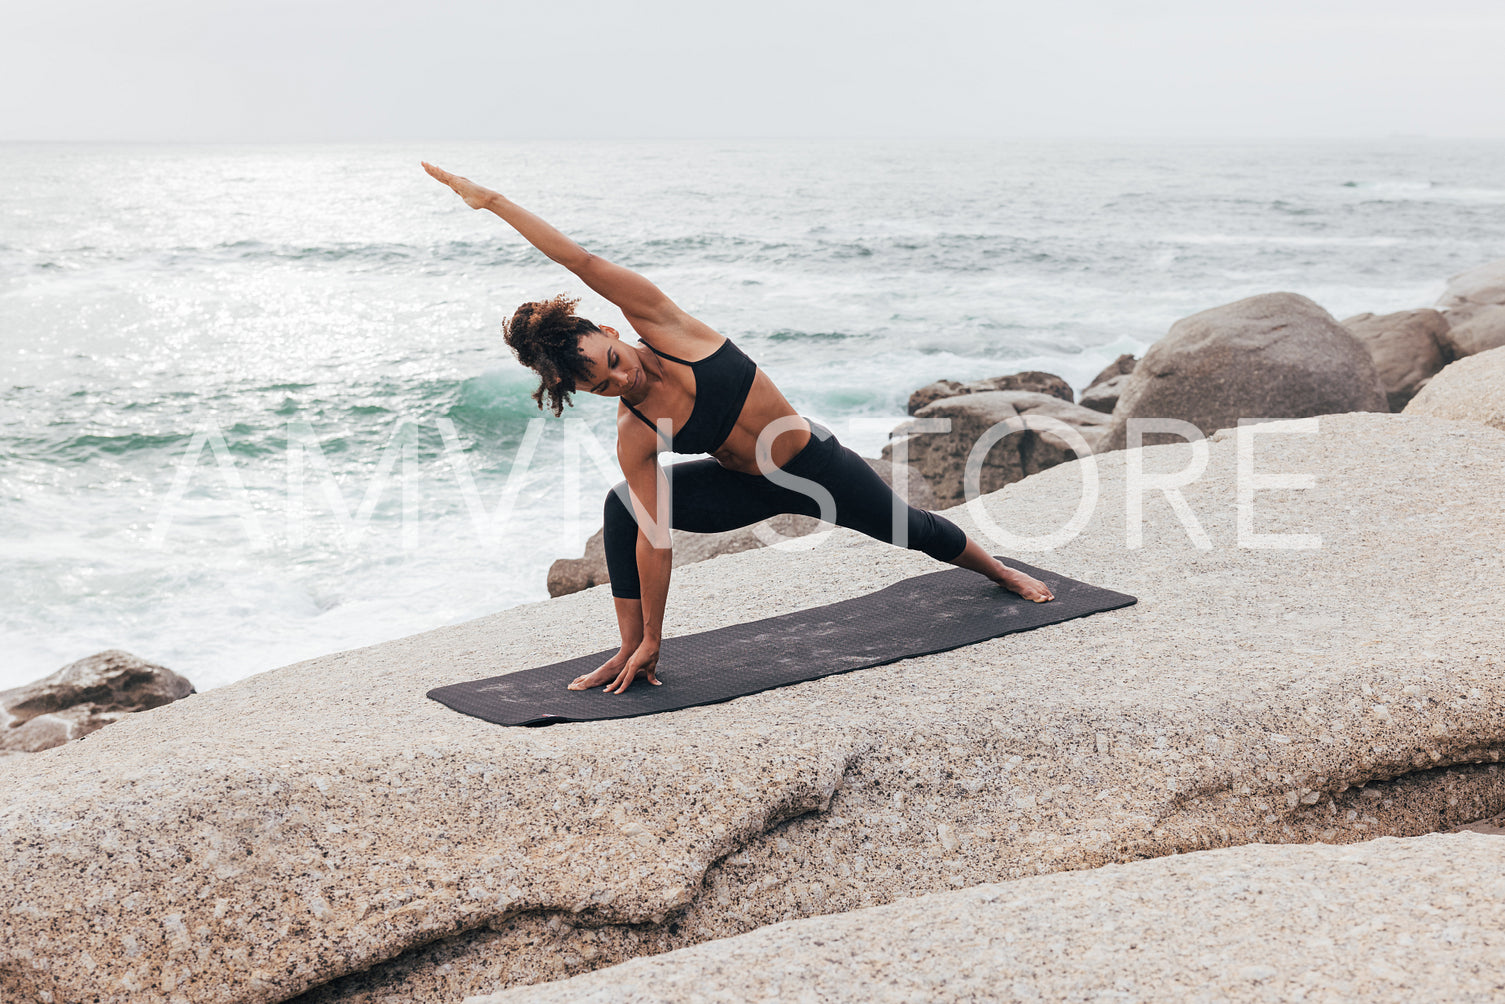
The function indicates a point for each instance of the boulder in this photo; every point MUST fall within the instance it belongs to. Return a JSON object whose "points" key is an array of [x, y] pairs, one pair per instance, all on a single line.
{"points": [[1473, 330], [1475, 306], [936, 390], [1276, 355], [1122, 366], [1481, 285], [1102, 393], [1103, 396], [1406, 348], [942, 456], [210, 850], [82, 697], [1469, 390], [1030, 380], [570, 575], [1256, 923]]}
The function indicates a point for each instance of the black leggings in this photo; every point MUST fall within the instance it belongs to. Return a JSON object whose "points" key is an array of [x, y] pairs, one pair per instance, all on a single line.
{"points": [[709, 498]]}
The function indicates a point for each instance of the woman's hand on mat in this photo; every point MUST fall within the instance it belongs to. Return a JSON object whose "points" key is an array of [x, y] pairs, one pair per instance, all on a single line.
{"points": [[1026, 586], [612, 670], [645, 661], [475, 196]]}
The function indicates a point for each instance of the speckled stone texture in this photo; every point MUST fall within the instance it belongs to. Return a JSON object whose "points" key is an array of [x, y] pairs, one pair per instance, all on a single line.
{"points": [[1391, 920], [1406, 348], [1275, 355], [1030, 380], [1469, 390], [941, 456], [1475, 306], [319, 819]]}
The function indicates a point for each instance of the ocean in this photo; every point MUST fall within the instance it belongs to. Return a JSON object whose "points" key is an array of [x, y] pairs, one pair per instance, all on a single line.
{"points": [[255, 406]]}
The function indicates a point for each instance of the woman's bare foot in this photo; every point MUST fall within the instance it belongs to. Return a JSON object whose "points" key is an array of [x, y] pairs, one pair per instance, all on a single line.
{"points": [[1026, 586], [608, 671]]}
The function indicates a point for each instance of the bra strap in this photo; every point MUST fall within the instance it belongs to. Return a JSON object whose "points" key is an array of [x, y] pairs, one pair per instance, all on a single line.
{"points": [[642, 418], [673, 359]]}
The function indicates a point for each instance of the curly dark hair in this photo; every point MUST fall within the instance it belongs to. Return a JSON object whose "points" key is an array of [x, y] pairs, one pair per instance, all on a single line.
{"points": [[545, 337]]}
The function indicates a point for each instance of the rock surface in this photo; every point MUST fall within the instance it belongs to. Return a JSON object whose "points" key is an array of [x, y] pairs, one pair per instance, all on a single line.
{"points": [[1407, 349], [571, 575], [1469, 390], [1034, 381], [1475, 307], [1475, 330], [82, 697], [1276, 355], [1390, 920], [1122, 366], [942, 456], [210, 851], [1104, 396], [1481, 285]]}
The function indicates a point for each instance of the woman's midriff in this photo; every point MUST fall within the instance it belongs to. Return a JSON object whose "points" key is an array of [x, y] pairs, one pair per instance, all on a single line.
{"points": [[764, 406], [786, 446]]}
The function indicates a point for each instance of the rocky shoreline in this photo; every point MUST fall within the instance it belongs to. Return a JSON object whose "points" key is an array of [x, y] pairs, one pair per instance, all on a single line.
{"points": [[358, 843], [1277, 355]]}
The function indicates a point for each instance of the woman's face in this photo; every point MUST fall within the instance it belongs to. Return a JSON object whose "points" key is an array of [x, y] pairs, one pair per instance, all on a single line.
{"points": [[615, 369]]}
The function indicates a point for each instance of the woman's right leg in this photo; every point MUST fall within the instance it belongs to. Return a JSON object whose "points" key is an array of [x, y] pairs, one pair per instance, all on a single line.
{"points": [[706, 498]]}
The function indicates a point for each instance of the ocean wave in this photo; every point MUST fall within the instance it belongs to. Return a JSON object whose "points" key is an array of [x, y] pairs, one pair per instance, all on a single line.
{"points": [[1424, 191], [789, 335], [491, 410], [1392, 186], [375, 254], [1293, 240], [944, 251], [241, 440], [357, 257]]}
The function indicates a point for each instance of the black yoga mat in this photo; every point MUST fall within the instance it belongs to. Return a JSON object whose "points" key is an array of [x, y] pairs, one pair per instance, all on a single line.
{"points": [[919, 616]]}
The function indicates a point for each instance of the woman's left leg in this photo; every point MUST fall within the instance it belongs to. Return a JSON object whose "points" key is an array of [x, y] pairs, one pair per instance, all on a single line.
{"points": [[867, 504]]}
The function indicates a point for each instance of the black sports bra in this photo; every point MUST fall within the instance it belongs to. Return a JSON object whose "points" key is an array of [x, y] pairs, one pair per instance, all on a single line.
{"points": [[722, 382]]}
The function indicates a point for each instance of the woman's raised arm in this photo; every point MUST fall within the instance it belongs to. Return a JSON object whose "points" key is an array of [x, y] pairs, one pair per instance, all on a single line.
{"points": [[634, 295]]}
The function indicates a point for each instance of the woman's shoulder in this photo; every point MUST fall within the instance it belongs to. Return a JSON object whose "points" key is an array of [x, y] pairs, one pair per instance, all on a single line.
{"points": [[691, 340]]}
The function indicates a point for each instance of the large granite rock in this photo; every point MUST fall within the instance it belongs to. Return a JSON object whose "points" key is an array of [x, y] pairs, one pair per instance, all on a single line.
{"points": [[324, 818], [82, 697], [1122, 366], [1406, 348], [1386, 921], [942, 456], [1276, 355], [1475, 330], [570, 575], [1475, 306], [1102, 393], [1104, 396], [1035, 381], [1481, 285], [1469, 390]]}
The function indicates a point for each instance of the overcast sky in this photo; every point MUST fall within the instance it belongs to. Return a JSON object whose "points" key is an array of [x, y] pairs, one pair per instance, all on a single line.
{"points": [[279, 70]]}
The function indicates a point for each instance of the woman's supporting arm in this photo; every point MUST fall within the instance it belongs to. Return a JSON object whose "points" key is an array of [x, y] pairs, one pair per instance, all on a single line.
{"points": [[633, 294], [637, 451]]}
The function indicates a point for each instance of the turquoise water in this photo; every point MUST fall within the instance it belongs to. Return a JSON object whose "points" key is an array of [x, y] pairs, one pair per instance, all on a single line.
{"points": [[256, 303]]}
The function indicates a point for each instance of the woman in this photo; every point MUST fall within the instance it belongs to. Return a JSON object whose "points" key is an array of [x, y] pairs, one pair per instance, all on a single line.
{"points": [[691, 389]]}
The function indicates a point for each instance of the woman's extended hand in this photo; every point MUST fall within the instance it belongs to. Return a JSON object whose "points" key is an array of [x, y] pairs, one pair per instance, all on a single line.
{"points": [[644, 660], [475, 196]]}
